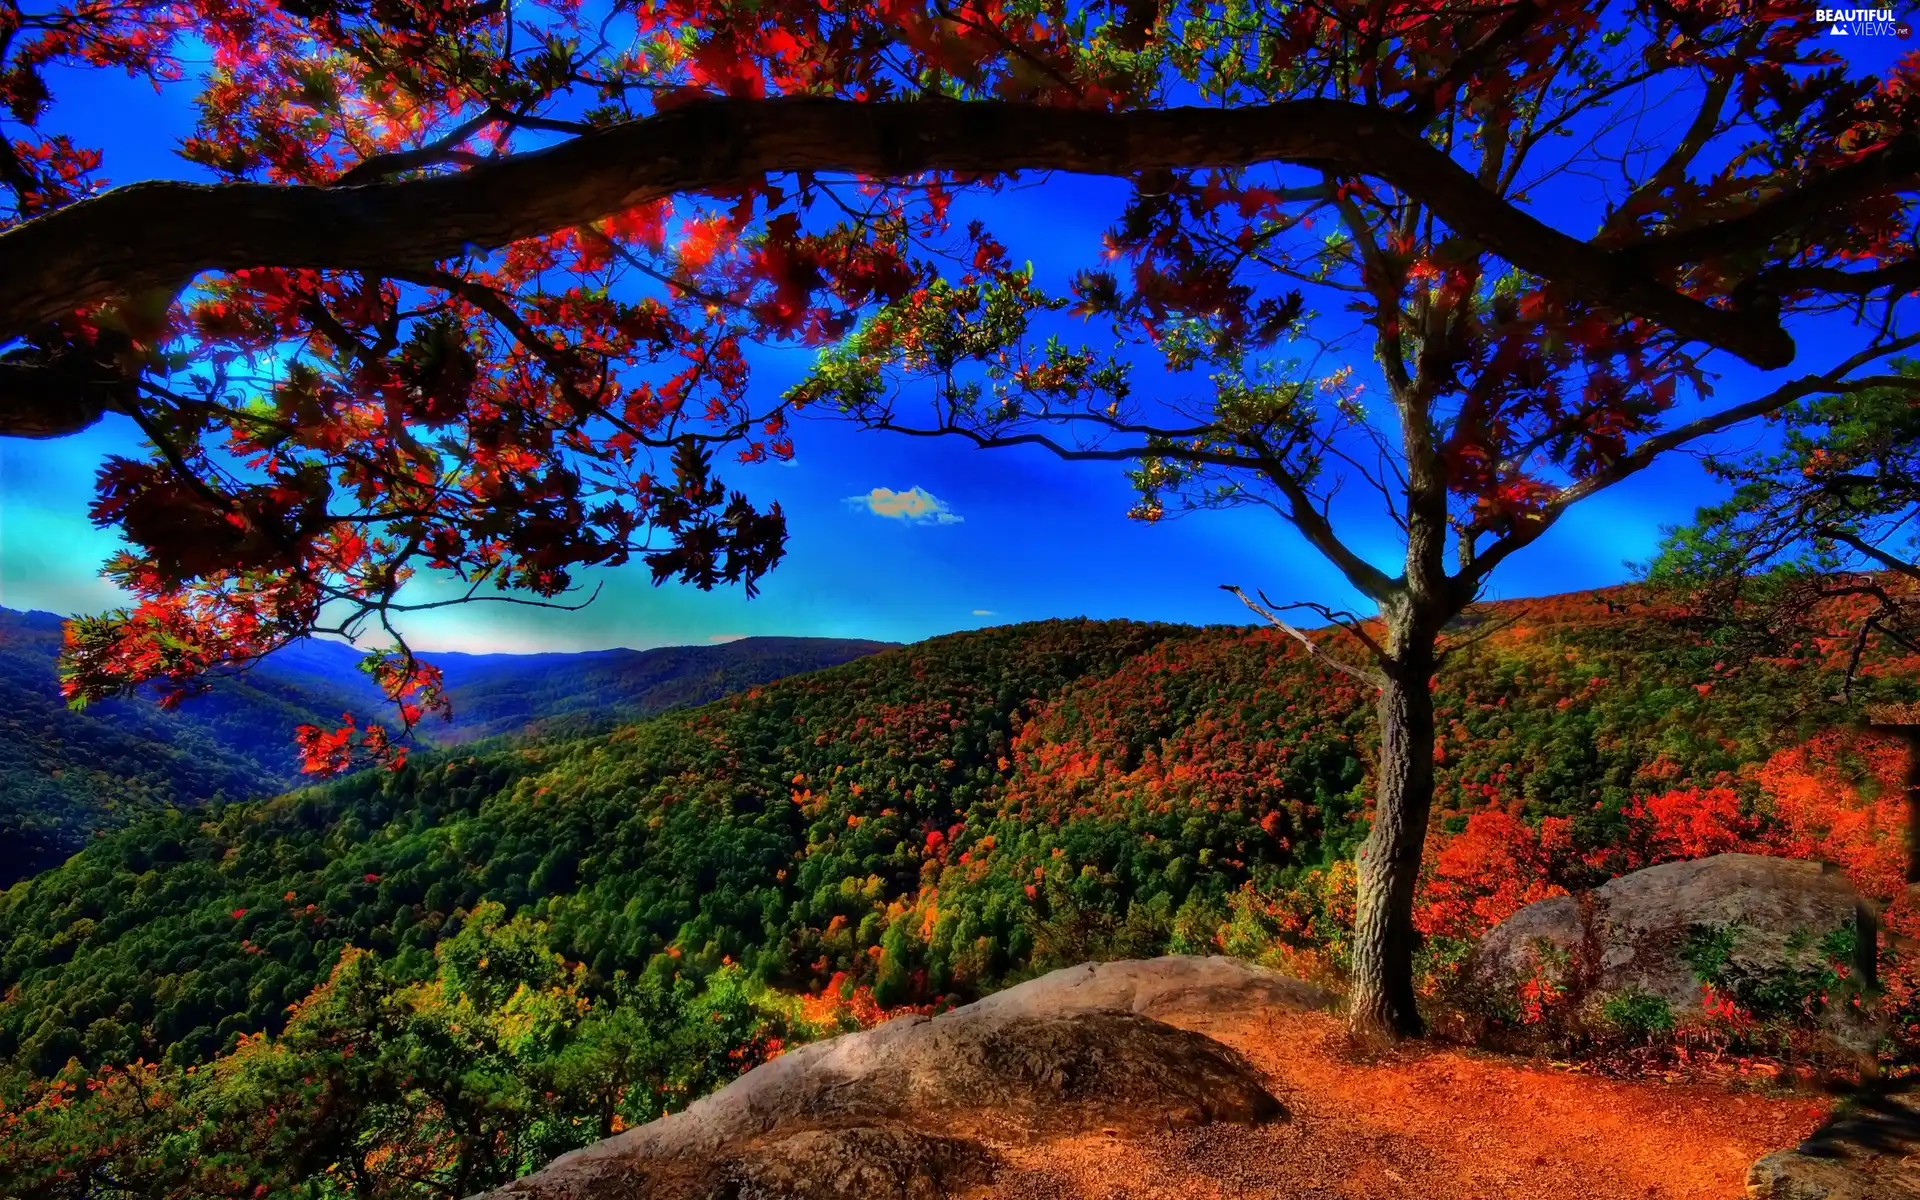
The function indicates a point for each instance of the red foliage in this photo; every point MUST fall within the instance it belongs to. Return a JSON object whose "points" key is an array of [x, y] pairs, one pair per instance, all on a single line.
{"points": [[1678, 824], [1693, 822], [1841, 798], [1495, 867]]}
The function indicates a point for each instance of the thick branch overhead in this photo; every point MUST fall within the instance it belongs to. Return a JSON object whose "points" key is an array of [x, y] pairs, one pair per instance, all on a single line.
{"points": [[162, 234]]}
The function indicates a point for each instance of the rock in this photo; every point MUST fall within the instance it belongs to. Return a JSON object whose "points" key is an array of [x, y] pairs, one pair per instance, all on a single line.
{"points": [[901, 1110], [1513, 949], [881, 1162], [1866, 1152], [1791, 1175], [1167, 988], [1757, 927]]}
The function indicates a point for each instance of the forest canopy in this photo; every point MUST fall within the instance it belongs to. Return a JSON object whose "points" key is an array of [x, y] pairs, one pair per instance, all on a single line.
{"points": [[537, 944], [478, 290]]}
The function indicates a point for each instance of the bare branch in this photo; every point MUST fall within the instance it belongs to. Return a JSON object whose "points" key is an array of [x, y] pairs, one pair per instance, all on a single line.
{"points": [[1370, 678], [1351, 622], [1480, 634]]}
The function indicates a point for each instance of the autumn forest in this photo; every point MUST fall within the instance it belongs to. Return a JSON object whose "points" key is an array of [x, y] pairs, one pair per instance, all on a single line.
{"points": [[428, 308], [481, 960]]}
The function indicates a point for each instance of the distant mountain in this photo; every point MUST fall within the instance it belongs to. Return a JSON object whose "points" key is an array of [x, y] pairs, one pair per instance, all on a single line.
{"points": [[553, 694], [65, 776]]}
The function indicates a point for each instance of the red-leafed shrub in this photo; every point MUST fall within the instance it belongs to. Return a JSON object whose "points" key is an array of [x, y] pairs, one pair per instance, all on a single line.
{"points": [[1498, 865], [1840, 798]]}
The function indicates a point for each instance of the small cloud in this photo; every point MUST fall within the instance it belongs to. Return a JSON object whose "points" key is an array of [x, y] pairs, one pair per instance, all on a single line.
{"points": [[916, 504], [726, 637], [983, 612]]}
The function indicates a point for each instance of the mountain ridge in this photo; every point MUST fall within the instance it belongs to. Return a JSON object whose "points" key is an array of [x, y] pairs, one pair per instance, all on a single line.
{"points": [[66, 776]]}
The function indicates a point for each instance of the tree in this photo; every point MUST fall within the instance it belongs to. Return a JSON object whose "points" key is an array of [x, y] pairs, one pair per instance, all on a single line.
{"points": [[1817, 541], [1511, 396], [1819, 528], [474, 266]]}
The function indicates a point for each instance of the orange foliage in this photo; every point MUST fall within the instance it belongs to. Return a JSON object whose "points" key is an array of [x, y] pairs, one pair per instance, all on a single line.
{"points": [[1840, 798], [1693, 822], [1677, 824], [841, 1007], [1495, 867]]}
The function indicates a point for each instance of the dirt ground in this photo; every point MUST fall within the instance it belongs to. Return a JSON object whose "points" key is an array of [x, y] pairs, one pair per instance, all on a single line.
{"points": [[1428, 1124]]}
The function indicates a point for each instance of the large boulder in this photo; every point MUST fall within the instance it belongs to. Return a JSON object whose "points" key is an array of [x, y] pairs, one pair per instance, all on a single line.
{"points": [[905, 1110], [1795, 1175], [1171, 988], [1764, 931]]}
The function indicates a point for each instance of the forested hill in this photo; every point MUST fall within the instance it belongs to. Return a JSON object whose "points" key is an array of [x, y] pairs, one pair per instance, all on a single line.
{"points": [[556, 694], [65, 776], [932, 820]]}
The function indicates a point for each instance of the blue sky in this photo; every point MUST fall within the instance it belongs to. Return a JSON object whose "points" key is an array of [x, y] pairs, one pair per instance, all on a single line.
{"points": [[890, 538]]}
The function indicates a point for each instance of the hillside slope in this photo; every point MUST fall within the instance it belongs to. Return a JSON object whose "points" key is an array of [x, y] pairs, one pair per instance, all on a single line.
{"points": [[931, 820], [550, 941], [65, 776], [183, 931]]}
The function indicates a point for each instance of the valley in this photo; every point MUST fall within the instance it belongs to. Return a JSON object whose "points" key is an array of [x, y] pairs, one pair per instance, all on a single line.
{"points": [[908, 830]]}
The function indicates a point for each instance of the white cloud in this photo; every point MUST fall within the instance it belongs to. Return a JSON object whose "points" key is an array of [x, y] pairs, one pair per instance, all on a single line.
{"points": [[983, 612], [726, 637], [916, 504]]}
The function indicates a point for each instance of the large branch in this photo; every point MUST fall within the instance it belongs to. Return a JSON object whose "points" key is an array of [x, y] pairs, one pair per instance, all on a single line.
{"points": [[1888, 561], [1647, 452], [162, 234], [1893, 167], [49, 395], [1896, 279], [1314, 525]]}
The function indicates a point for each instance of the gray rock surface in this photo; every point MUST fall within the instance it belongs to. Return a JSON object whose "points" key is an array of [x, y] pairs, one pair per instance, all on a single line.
{"points": [[903, 1111], [882, 1162], [1791, 1175], [1638, 932], [1870, 1151], [1177, 985]]}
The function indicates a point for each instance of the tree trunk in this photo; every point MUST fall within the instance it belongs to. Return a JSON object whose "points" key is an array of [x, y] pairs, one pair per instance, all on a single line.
{"points": [[1913, 805], [1389, 866]]}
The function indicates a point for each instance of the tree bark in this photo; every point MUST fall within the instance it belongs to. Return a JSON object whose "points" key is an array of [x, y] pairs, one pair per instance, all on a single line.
{"points": [[42, 399], [1381, 992]]}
